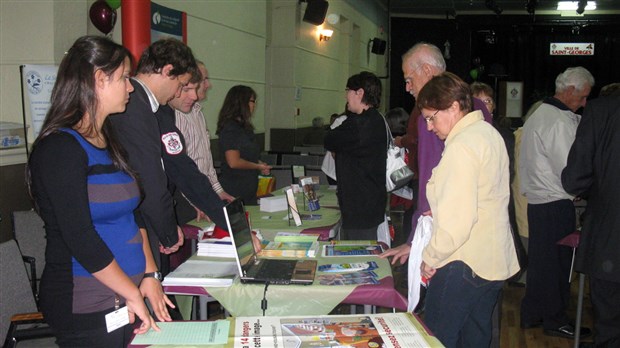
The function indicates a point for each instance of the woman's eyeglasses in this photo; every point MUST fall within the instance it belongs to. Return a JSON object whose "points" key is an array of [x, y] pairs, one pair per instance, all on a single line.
{"points": [[430, 119], [253, 101]]}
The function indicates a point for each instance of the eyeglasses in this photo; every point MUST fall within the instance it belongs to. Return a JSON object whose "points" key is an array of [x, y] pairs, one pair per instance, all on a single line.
{"points": [[253, 101], [430, 119], [487, 101]]}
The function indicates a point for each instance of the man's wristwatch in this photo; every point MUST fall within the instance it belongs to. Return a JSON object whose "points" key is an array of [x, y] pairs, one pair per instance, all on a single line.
{"points": [[157, 275]]}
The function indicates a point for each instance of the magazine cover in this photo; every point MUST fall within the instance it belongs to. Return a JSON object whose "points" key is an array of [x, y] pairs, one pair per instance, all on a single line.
{"points": [[389, 330]]}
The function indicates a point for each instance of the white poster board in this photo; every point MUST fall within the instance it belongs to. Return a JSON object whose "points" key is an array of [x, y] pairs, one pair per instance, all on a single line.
{"points": [[38, 82]]}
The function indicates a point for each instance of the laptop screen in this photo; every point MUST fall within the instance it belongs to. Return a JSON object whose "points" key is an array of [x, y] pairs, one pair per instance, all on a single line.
{"points": [[240, 233]]}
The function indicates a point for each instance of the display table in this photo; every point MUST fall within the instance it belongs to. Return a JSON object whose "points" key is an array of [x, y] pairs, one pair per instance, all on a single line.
{"points": [[245, 299], [372, 330], [271, 223]]}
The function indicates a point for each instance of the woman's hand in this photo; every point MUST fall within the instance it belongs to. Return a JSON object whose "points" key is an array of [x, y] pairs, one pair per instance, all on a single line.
{"points": [[400, 253], [151, 289], [136, 307], [264, 168], [427, 271]]}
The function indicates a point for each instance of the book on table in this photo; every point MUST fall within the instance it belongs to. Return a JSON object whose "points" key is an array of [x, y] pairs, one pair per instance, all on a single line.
{"points": [[296, 237], [202, 273], [216, 247], [290, 249]]}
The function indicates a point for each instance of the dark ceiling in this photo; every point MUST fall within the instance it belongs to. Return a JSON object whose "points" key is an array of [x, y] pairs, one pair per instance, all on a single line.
{"points": [[422, 8]]}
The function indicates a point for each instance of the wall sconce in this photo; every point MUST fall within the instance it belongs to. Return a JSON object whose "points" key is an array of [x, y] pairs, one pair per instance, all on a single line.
{"points": [[325, 34]]}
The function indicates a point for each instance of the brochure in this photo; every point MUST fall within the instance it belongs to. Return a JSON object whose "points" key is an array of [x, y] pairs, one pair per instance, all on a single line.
{"points": [[356, 278], [340, 250], [389, 330], [348, 267]]}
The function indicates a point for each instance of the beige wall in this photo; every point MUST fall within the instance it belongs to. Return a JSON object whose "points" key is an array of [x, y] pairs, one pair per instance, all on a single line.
{"points": [[260, 43]]}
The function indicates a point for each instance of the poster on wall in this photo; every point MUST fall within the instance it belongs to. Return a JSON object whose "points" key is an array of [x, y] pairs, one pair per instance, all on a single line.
{"points": [[166, 22], [38, 82]]}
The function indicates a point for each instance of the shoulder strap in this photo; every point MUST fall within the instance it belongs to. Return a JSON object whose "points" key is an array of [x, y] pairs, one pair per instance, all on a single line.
{"points": [[390, 139]]}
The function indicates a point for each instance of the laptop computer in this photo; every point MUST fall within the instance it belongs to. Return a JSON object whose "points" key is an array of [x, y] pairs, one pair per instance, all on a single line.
{"points": [[262, 270]]}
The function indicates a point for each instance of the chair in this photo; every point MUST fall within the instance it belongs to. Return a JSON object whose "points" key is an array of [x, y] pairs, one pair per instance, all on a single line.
{"points": [[19, 318], [307, 160], [269, 158], [310, 150], [30, 235], [316, 171], [572, 240], [283, 175]]}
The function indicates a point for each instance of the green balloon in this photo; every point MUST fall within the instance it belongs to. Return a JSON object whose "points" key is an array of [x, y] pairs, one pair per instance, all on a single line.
{"points": [[114, 4], [474, 74]]}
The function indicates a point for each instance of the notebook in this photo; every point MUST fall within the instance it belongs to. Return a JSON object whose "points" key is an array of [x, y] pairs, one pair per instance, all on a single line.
{"points": [[261, 270]]}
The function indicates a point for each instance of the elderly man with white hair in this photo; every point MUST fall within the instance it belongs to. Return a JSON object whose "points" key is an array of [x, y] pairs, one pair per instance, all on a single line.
{"points": [[547, 138]]}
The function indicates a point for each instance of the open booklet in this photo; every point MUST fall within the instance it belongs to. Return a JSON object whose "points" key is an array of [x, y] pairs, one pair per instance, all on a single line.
{"points": [[389, 330]]}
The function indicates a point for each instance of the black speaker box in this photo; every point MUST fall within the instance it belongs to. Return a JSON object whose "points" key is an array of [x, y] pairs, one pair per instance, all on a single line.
{"points": [[378, 46], [316, 11]]}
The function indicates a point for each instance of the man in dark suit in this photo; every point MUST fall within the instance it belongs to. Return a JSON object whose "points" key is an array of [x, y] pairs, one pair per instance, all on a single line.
{"points": [[592, 172], [155, 147]]}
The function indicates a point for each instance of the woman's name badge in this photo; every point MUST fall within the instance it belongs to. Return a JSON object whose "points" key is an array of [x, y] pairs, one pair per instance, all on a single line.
{"points": [[117, 319]]}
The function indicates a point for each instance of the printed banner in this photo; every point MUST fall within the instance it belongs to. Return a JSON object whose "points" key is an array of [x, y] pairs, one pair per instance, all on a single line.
{"points": [[166, 22], [571, 49], [38, 84]]}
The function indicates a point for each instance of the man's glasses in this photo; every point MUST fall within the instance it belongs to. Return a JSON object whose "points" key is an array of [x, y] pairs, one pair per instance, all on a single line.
{"points": [[430, 119], [488, 101]]}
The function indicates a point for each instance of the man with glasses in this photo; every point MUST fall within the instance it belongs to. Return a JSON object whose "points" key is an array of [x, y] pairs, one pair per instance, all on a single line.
{"points": [[420, 63]]}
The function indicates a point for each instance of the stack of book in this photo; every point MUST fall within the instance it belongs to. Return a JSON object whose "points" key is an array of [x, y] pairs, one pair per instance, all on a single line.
{"points": [[215, 247], [196, 272], [290, 249]]}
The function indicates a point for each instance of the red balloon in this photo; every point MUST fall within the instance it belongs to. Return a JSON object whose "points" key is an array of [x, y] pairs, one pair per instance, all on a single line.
{"points": [[102, 16]]}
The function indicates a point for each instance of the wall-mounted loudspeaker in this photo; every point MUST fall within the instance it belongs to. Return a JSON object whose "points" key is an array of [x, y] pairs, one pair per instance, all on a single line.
{"points": [[378, 46], [316, 11]]}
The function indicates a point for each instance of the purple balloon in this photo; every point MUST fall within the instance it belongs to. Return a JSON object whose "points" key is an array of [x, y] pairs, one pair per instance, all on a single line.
{"points": [[102, 16]]}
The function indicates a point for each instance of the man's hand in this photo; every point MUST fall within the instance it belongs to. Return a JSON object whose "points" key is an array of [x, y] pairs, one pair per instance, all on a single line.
{"points": [[400, 253], [151, 289], [174, 248], [226, 197], [200, 215]]}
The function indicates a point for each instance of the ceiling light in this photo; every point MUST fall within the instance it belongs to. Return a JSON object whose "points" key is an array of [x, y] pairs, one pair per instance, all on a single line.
{"points": [[572, 5]]}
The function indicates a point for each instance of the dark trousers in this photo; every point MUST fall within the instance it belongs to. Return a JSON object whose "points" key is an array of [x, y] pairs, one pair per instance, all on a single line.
{"points": [[605, 297], [459, 305], [547, 290], [90, 332]]}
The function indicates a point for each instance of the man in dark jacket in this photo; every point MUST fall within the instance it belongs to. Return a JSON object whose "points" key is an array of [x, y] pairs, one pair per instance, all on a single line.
{"points": [[592, 173], [156, 148]]}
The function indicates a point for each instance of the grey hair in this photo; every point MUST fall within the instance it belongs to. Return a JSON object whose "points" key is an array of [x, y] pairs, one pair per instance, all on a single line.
{"points": [[577, 77], [426, 54]]}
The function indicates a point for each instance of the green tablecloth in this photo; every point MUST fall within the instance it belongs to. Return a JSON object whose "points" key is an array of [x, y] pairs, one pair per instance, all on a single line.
{"points": [[245, 299]]}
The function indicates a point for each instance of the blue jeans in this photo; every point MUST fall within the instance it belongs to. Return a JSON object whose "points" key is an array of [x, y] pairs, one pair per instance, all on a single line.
{"points": [[459, 305]]}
